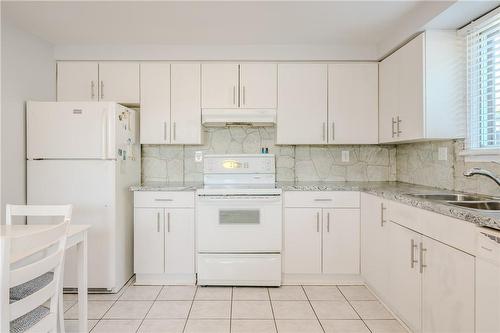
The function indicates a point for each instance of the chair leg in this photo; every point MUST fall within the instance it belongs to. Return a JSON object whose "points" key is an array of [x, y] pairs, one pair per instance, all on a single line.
{"points": [[60, 313]]}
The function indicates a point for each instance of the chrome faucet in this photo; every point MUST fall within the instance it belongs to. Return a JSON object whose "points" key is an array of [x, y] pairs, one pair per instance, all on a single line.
{"points": [[483, 172]]}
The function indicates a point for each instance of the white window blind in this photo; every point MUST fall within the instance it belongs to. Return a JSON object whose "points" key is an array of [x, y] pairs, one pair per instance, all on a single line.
{"points": [[483, 86]]}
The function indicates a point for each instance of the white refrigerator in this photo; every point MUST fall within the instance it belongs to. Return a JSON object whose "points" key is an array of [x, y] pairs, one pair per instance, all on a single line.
{"points": [[88, 154]]}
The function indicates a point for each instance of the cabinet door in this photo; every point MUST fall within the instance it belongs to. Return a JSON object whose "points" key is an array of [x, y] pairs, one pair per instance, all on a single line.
{"points": [[302, 104], [341, 241], [258, 86], [404, 293], [186, 104], [374, 248], [302, 241], [219, 86], [155, 103], [353, 103], [411, 90], [388, 98], [148, 241], [448, 289], [77, 81], [119, 82], [179, 241]]}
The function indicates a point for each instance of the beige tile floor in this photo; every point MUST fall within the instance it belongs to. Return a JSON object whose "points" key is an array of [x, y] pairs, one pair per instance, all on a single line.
{"points": [[190, 309]]}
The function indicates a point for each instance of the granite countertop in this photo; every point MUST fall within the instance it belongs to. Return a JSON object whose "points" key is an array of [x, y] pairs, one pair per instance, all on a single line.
{"points": [[397, 191], [167, 186]]}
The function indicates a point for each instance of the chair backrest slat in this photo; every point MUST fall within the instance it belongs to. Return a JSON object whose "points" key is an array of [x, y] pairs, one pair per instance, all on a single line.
{"points": [[29, 303], [38, 210], [26, 273]]}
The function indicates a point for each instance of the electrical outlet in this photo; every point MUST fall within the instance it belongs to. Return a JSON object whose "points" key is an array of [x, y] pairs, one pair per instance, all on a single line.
{"points": [[345, 155], [443, 153], [198, 156]]}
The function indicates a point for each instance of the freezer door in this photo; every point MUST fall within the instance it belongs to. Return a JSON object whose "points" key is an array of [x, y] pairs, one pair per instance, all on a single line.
{"points": [[90, 187], [66, 130]]}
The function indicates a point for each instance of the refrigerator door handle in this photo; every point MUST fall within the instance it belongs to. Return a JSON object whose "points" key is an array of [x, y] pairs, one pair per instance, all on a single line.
{"points": [[104, 134]]}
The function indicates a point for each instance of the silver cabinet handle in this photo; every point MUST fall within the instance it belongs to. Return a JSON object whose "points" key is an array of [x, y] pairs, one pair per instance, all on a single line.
{"points": [[324, 131], [422, 254], [317, 221], [382, 209], [398, 122], [174, 130], [244, 95], [413, 247], [92, 89], [333, 131], [328, 222], [234, 95], [158, 222], [165, 131], [102, 89], [322, 199], [163, 199], [168, 222], [393, 123]]}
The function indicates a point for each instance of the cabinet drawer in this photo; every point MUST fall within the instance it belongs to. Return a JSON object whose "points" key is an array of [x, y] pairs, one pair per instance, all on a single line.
{"points": [[404, 215], [319, 199], [163, 199]]}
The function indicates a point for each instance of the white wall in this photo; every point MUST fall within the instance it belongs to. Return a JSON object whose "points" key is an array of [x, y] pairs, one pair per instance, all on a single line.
{"points": [[28, 72]]}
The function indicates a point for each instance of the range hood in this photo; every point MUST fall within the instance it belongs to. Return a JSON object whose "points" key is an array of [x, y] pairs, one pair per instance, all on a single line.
{"points": [[238, 117]]}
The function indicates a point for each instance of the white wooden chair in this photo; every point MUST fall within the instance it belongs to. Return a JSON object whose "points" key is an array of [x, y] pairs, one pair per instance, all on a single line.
{"points": [[31, 273]]}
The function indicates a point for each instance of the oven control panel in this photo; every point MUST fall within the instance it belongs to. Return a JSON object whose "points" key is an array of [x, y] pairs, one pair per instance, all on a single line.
{"points": [[232, 164]]}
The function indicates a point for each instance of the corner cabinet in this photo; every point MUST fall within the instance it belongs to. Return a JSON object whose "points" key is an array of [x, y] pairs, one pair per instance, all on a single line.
{"points": [[421, 90], [170, 103], [420, 264], [321, 237], [164, 238]]}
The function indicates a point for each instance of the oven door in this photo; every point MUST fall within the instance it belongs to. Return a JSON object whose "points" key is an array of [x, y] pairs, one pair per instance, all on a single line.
{"points": [[239, 224]]}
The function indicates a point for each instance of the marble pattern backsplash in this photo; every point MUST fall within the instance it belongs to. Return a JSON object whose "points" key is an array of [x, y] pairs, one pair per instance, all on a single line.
{"points": [[418, 163], [293, 163]]}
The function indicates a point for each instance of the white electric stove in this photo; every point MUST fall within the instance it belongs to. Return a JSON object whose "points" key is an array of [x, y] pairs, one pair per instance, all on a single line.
{"points": [[239, 221]]}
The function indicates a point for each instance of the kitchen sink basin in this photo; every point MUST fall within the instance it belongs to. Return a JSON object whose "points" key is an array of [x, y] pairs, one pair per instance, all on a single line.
{"points": [[481, 205], [452, 197]]}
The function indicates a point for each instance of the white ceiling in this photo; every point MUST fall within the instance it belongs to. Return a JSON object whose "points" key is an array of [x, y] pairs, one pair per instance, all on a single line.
{"points": [[204, 23]]}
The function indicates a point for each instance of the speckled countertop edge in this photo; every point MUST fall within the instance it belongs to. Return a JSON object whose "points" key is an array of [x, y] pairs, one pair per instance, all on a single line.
{"points": [[395, 191], [400, 192]]}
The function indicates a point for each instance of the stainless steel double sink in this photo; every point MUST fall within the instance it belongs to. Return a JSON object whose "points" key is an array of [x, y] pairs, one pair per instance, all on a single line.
{"points": [[471, 201]]}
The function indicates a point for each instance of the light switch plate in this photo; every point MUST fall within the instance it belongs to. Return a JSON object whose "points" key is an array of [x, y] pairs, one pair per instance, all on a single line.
{"points": [[443, 153], [198, 156], [345, 155]]}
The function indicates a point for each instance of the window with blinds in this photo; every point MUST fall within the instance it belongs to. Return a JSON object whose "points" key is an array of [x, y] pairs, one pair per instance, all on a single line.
{"points": [[483, 86]]}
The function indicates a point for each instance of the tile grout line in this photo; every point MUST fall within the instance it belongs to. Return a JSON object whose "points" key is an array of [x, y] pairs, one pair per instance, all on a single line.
{"points": [[349, 302], [314, 311], [231, 310], [272, 309], [191, 307], [147, 312]]}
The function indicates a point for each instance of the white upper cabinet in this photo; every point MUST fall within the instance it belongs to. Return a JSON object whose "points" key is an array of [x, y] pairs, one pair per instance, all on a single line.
{"points": [[155, 103], [247, 85], [119, 82], [421, 90], [302, 104], [186, 104], [353, 103], [258, 86], [219, 86], [77, 81], [170, 103]]}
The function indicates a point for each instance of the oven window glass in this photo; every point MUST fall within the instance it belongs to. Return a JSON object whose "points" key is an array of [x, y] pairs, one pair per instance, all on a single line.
{"points": [[243, 216]]}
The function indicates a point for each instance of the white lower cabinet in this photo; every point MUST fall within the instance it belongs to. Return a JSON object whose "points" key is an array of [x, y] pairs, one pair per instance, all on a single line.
{"points": [[302, 241], [163, 238], [322, 239]]}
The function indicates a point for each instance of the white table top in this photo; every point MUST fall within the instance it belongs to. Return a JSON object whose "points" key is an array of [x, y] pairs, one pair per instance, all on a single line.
{"points": [[10, 231]]}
